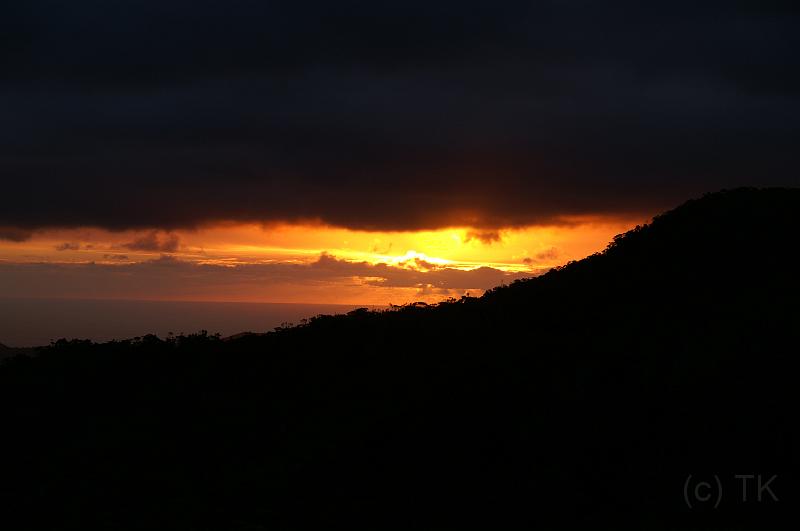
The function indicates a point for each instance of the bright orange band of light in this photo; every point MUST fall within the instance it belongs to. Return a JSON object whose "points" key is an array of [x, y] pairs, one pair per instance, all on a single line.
{"points": [[526, 251]]}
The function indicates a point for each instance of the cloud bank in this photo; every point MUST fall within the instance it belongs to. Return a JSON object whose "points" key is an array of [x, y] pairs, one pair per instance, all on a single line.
{"points": [[171, 278], [368, 115]]}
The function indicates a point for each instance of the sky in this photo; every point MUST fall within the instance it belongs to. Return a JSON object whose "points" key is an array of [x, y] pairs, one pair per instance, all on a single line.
{"points": [[367, 152]]}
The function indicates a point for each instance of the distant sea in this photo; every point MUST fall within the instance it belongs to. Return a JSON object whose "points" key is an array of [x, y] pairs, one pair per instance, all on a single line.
{"points": [[36, 322]]}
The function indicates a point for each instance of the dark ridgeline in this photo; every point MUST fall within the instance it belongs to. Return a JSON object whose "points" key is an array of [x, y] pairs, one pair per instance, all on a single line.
{"points": [[581, 398]]}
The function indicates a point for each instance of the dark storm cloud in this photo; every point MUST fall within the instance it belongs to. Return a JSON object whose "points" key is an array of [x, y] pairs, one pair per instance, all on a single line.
{"points": [[375, 115]]}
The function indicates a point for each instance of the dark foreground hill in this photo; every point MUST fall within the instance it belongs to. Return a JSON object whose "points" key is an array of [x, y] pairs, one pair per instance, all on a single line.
{"points": [[9, 352], [629, 389]]}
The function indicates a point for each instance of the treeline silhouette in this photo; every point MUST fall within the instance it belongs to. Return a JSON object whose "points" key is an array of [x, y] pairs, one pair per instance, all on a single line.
{"points": [[585, 397]]}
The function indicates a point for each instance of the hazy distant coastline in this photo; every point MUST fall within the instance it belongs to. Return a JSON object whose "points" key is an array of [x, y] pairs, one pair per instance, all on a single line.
{"points": [[36, 322]]}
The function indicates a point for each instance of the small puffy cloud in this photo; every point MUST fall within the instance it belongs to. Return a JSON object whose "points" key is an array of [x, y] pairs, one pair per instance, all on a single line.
{"points": [[152, 242], [484, 236], [423, 265], [548, 254]]}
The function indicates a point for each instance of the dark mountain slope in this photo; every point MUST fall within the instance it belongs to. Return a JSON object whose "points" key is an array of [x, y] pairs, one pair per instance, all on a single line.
{"points": [[583, 397], [6, 352]]}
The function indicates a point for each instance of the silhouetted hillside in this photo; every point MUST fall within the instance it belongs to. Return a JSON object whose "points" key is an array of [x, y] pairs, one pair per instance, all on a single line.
{"points": [[7, 352], [585, 397]]}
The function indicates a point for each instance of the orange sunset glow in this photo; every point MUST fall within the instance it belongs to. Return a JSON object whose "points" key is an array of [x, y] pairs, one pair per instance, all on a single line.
{"points": [[305, 263]]}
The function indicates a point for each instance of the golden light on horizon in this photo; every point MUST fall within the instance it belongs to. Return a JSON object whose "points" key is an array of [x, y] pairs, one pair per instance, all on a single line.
{"points": [[524, 251]]}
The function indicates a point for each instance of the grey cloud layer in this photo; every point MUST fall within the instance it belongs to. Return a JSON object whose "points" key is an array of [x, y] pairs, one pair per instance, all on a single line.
{"points": [[168, 277]]}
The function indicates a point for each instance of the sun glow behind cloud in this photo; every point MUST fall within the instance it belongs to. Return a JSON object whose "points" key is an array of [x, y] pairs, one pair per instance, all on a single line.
{"points": [[299, 263]]}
